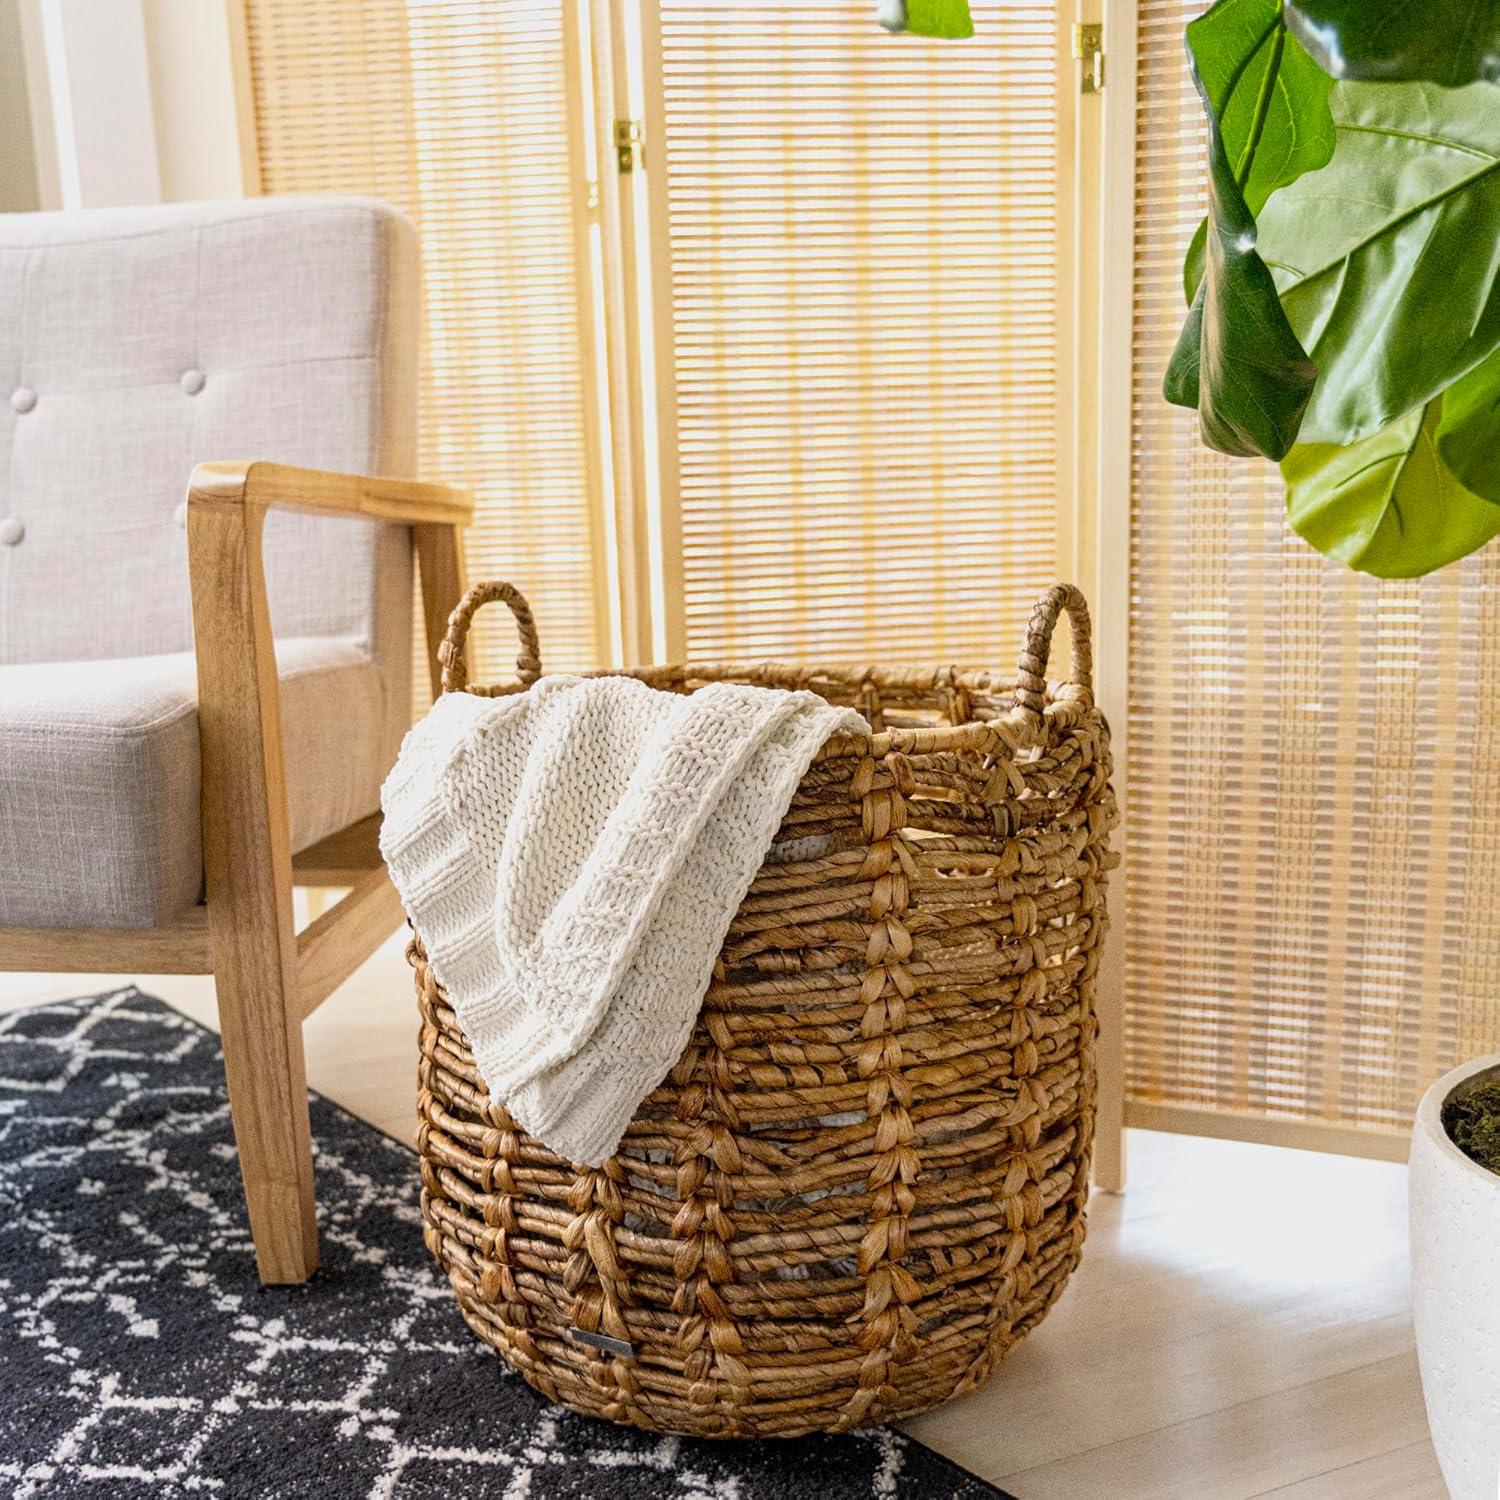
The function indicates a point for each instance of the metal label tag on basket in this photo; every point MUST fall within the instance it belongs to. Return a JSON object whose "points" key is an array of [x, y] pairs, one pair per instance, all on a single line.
{"points": [[602, 1341]]}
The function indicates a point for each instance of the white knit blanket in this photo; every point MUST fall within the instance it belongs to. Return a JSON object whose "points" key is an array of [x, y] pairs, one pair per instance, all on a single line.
{"points": [[571, 858]]}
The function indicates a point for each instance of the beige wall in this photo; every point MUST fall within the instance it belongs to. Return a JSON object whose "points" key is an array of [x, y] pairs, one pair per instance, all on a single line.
{"points": [[193, 59], [18, 182]]}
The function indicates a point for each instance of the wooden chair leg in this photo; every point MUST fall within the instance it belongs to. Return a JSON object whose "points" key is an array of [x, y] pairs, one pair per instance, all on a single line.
{"points": [[260, 1015], [247, 866], [246, 856]]}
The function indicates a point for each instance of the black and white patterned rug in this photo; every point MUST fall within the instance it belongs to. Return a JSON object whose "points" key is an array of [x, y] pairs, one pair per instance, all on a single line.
{"points": [[140, 1357]]}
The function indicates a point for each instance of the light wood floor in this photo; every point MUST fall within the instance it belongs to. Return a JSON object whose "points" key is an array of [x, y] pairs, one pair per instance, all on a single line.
{"points": [[1239, 1327]]}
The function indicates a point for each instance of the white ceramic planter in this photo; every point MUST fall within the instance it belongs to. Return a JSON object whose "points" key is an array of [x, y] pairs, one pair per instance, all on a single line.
{"points": [[1455, 1272]]}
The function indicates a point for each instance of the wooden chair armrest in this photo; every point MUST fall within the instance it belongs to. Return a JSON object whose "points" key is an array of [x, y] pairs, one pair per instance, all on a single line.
{"points": [[264, 486]]}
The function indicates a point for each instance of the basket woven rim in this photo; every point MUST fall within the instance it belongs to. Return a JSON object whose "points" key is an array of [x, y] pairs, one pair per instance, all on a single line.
{"points": [[1017, 728], [1022, 725]]}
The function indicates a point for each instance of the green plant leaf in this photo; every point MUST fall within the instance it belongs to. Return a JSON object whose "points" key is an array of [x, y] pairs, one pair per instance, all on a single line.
{"points": [[1468, 434], [941, 18], [1192, 261], [1387, 505], [1180, 384], [1237, 359], [1451, 42], [1272, 105], [1386, 258]]}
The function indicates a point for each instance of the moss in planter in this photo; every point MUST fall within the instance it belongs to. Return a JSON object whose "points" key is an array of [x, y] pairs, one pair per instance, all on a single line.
{"points": [[1471, 1116]]}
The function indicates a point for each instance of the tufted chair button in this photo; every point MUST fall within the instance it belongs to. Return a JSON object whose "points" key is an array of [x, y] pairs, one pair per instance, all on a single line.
{"points": [[12, 529], [192, 381], [180, 515], [22, 399]]}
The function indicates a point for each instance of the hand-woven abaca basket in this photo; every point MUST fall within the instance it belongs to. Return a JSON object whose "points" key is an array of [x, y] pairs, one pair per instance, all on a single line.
{"points": [[865, 1178]]}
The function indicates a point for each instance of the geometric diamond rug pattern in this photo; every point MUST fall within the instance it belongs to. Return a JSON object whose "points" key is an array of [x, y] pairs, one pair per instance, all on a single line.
{"points": [[140, 1357]]}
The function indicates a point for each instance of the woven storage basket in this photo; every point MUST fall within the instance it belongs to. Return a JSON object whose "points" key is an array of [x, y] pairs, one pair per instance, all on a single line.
{"points": [[865, 1178]]}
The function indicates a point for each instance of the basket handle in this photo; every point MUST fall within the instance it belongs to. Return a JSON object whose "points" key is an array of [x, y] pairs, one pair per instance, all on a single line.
{"points": [[451, 652], [1031, 670]]}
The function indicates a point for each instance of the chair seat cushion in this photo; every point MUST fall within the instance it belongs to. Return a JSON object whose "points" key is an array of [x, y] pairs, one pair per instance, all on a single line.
{"points": [[99, 777]]}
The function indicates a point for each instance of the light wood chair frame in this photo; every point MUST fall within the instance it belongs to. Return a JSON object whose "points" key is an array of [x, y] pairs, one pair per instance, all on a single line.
{"points": [[268, 976]]}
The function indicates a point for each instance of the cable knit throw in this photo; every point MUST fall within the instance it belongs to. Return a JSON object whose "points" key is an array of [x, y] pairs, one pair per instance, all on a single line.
{"points": [[572, 857]]}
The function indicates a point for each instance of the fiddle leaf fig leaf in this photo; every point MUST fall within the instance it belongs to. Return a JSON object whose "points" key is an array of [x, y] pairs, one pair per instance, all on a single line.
{"points": [[1237, 359], [1180, 386], [1386, 505], [1193, 261], [949, 19], [1468, 434], [1272, 102], [1450, 42], [1344, 288], [1386, 258]]}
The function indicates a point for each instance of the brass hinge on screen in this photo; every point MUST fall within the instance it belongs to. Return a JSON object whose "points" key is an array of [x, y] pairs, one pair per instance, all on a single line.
{"points": [[1088, 48], [630, 140]]}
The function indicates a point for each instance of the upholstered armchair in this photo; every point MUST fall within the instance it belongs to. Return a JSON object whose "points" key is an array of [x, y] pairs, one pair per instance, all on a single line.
{"points": [[205, 617]]}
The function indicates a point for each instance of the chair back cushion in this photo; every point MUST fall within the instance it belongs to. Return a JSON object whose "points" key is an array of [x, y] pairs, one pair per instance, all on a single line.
{"points": [[137, 342]]}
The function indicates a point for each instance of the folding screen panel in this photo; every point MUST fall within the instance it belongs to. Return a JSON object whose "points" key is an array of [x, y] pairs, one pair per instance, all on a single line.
{"points": [[860, 281], [863, 266], [458, 113], [1313, 785], [859, 252]]}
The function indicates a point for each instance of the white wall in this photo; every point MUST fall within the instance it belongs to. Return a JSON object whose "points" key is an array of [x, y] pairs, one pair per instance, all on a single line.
{"points": [[122, 101], [193, 48], [103, 128]]}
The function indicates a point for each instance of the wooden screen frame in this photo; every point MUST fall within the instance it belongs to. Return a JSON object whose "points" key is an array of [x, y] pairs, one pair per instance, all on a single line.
{"points": [[1106, 499]]}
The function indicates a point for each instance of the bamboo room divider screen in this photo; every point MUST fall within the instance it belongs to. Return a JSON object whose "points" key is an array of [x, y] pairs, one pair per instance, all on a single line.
{"points": [[852, 420], [1313, 788], [780, 380], [457, 113], [861, 251]]}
